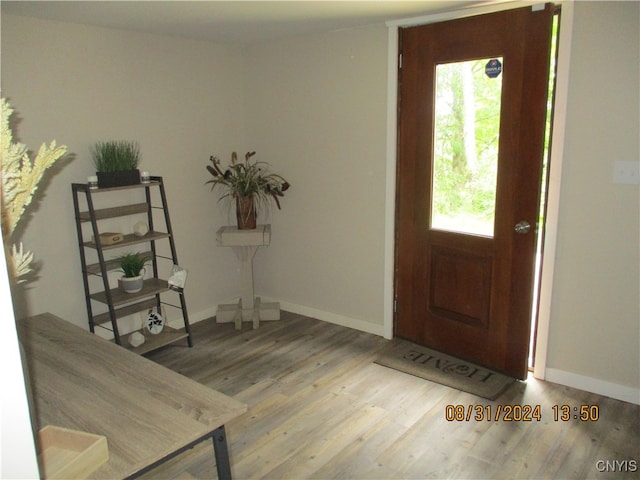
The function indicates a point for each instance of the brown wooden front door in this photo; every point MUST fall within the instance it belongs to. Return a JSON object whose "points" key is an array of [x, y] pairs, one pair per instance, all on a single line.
{"points": [[471, 122]]}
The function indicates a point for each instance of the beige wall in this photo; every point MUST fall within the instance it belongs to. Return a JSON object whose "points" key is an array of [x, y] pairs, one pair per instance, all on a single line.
{"points": [[315, 107], [181, 99], [595, 320], [318, 113]]}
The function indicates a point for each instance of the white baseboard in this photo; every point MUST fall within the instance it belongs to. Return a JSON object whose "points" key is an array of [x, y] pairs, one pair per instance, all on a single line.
{"points": [[329, 317], [342, 320], [368, 327], [594, 385]]}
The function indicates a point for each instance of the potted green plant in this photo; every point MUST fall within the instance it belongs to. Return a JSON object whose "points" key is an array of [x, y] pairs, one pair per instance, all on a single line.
{"points": [[249, 183], [116, 163], [132, 266]]}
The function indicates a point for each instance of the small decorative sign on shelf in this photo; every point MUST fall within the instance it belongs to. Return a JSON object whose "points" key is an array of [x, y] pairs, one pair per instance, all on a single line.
{"points": [[178, 278], [108, 238]]}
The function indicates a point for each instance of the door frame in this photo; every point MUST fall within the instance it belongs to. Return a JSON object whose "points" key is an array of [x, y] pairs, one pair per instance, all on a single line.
{"points": [[555, 163]]}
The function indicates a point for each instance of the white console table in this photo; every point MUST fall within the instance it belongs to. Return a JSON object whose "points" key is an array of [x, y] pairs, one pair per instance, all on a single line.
{"points": [[245, 244]]}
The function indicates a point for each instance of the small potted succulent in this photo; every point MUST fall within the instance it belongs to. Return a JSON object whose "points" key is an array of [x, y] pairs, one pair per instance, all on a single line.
{"points": [[132, 268], [116, 163], [249, 183]]}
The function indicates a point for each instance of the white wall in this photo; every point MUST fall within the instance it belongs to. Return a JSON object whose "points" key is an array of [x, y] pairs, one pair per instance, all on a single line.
{"points": [[595, 319], [317, 107], [17, 448], [182, 100]]}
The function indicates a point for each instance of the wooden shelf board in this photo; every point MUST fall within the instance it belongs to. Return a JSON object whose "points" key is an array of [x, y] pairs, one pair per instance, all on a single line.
{"points": [[131, 239], [84, 186], [113, 212], [105, 318], [153, 342], [152, 286], [112, 264]]}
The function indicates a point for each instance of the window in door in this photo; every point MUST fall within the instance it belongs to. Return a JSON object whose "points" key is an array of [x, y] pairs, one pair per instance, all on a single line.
{"points": [[466, 130]]}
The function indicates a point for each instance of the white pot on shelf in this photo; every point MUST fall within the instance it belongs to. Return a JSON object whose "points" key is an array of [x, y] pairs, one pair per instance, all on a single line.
{"points": [[131, 284]]}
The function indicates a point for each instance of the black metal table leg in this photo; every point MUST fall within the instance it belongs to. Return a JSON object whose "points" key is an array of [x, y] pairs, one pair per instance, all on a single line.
{"points": [[222, 453]]}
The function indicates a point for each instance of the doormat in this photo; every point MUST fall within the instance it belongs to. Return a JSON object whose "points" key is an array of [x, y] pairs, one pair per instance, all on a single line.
{"points": [[437, 367]]}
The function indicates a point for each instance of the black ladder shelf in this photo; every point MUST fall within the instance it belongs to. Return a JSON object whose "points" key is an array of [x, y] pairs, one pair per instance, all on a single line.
{"points": [[120, 304]]}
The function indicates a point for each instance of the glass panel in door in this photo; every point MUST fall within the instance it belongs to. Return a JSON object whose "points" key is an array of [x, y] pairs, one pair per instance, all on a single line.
{"points": [[465, 156]]}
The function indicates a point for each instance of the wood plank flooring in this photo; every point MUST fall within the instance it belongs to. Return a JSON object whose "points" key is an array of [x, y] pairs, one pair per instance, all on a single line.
{"points": [[319, 408]]}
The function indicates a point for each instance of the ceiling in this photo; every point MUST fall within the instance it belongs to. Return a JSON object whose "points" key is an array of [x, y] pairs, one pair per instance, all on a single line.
{"points": [[229, 22]]}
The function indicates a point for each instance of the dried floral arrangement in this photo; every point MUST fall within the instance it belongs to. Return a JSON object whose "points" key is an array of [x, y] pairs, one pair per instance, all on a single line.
{"points": [[19, 178], [247, 179]]}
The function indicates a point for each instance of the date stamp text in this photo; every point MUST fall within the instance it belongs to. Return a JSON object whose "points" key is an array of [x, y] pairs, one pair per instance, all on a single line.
{"points": [[520, 413]]}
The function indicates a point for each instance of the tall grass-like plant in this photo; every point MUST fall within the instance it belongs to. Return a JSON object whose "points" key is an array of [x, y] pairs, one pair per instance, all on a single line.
{"points": [[131, 264], [115, 156]]}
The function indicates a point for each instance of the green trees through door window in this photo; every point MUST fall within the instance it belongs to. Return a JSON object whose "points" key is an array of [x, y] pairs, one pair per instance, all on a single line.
{"points": [[465, 156]]}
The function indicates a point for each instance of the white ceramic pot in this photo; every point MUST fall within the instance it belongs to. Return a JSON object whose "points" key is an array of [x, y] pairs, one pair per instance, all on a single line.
{"points": [[132, 284]]}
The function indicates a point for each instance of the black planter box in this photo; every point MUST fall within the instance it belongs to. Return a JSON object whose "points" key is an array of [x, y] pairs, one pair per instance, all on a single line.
{"points": [[118, 179]]}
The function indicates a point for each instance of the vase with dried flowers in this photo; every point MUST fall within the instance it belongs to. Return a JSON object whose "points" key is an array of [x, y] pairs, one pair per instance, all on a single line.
{"points": [[249, 183]]}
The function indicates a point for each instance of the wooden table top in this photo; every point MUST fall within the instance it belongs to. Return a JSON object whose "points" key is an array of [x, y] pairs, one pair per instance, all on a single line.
{"points": [[83, 382]]}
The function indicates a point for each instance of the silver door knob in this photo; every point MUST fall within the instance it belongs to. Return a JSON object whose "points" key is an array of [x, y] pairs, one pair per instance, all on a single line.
{"points": [[522, 227]]}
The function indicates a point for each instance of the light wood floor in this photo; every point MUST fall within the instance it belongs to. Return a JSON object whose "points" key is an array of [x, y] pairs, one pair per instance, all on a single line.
{"points": [[319, 408]]}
